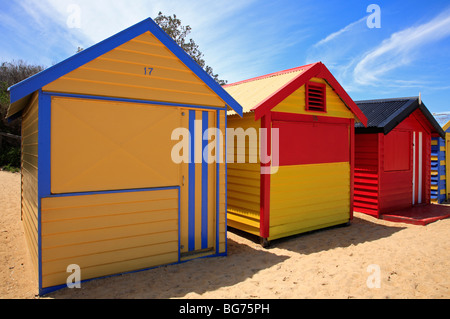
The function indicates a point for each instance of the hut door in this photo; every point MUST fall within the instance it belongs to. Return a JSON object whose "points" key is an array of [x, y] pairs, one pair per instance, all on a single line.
{"points": [[417, 183], [198, 189]]}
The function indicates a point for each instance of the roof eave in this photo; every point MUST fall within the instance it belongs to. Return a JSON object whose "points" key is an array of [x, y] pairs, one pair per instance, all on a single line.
{"points": [[439, 130], [314, 70], [400, 115], [32, 84], [275, 98], [446, 127]]}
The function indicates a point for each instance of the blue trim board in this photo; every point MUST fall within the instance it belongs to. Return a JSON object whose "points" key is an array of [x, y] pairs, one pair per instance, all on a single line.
{"points": [[45, 291], [191, 204], [44, 181], [179, 223], [115, 99], [118, 191], [218, 184], [44, 165], [204, 231], [44, 140], [226, 184], [51, 74], [22, 89]]}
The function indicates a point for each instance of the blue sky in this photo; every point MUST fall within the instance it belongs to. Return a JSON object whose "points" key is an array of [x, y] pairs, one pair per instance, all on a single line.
{"points": [[408, 54]]}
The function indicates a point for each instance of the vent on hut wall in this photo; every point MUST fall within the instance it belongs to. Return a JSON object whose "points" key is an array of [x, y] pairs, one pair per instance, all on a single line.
{"points": [[316, 97]]}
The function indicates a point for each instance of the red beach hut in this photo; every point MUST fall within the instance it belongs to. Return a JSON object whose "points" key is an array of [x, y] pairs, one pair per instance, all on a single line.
{"points": [[392, 155]]}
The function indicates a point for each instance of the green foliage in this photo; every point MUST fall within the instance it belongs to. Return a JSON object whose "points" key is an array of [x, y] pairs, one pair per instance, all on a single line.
{"points": [[173, 27], [10, 157], [10, 74], [9, 168]]}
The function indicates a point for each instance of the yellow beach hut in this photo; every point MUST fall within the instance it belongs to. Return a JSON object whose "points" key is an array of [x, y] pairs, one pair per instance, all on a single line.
{"points": [[100, 188]]}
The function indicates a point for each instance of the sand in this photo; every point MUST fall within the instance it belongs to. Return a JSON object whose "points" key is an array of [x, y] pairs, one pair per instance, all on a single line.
{"points": [[341, 262]]}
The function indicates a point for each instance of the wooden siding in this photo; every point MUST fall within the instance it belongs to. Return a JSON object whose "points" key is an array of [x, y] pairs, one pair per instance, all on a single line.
{"points": [[105, 145], [244, 179], [125, 73], [438, 170], [382, 189], [108, 233], [29, 183], [366, 173], [396, 187], [309, 197], [295, 103]]}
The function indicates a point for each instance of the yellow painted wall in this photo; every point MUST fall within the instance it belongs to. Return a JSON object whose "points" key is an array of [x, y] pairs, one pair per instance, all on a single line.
{"points": [[29, 183], [121, 73], [108, 234], [104, 145], [295, 103], [243, 180], [308, 197]]}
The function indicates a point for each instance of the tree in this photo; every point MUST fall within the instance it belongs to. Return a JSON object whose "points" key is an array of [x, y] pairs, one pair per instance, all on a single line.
{"points": [[173, 27], [10, 74]]}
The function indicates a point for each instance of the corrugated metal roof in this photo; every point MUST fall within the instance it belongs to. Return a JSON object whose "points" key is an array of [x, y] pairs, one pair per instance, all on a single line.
{"points": [[250, 93], [384, 115], [379, 111]]}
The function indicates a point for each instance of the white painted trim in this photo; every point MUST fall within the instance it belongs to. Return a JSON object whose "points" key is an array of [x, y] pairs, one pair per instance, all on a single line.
{"points": [[414, 169], [419, 201]]}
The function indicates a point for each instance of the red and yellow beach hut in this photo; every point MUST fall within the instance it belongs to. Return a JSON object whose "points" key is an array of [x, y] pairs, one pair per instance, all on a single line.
{"points": [[310, 185]]}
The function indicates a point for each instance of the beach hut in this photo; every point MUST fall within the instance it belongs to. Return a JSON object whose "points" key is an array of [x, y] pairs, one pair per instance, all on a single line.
{"points": [[393, 155], [303, 181], [101, 190], [439, 166]]}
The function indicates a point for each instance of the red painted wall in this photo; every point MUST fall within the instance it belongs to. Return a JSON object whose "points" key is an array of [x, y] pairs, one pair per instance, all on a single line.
{"points": [[311, 142], [366, 174], [396, 186], [384, 167]]}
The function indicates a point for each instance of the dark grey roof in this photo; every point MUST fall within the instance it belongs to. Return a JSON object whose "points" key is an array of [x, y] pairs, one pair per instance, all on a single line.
{"points": [[384, 115]]}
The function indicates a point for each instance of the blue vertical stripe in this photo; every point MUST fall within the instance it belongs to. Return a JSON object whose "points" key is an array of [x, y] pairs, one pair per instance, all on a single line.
{"points": [[191, 213], [44, 165], [226, 183], [179, 223], [217, 182], [204, 232]]}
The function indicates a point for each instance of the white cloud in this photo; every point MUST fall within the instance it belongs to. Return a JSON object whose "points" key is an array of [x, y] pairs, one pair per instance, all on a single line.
{"points": [[367, 62], [216, 26], [335, 35], [401, 49]]}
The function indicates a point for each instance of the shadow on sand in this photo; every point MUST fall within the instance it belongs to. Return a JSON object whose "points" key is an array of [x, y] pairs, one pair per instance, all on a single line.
{"points": [[209, 274], [175, 281], [357, 232]]}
